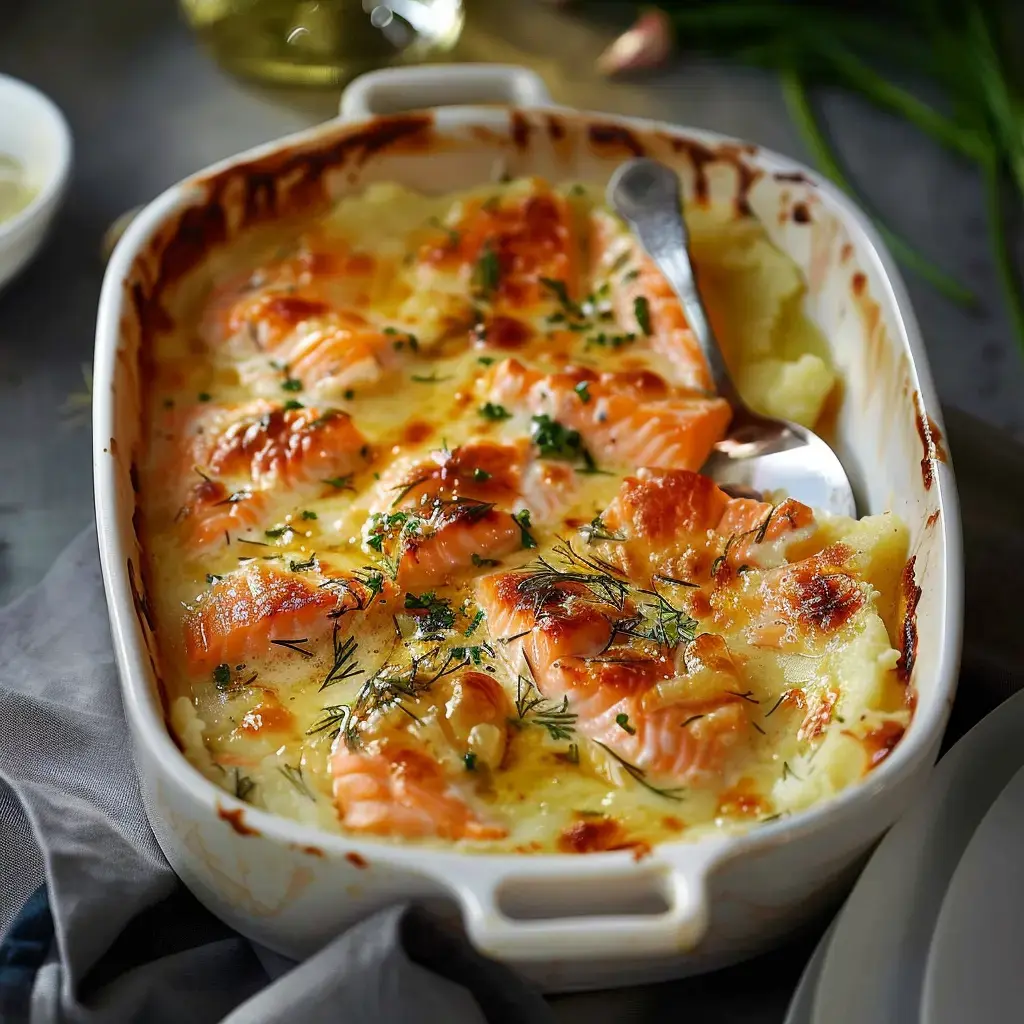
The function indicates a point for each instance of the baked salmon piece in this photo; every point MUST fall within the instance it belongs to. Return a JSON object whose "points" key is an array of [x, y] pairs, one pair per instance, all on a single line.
{"points": [[409, 777], [238, 454], [679, 523], [503, 246], [439, 516], [625, 419], [796, 605], [257, 309], [243, 612], [402, 791], [213, 513], [586, 642], [644, 303]]}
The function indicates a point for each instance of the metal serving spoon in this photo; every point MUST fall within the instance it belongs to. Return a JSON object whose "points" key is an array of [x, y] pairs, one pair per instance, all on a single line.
{"points": [[760, 453]]}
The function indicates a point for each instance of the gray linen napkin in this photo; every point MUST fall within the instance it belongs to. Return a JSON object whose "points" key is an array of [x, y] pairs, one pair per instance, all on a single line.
{"points": [[130, 943]]}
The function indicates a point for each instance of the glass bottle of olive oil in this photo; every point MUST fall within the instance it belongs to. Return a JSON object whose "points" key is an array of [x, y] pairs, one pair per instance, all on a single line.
{"points": [[322, 42]]}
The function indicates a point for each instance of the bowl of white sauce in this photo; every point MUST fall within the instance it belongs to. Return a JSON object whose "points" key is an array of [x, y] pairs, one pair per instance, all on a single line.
{"points": [[35, 163]]}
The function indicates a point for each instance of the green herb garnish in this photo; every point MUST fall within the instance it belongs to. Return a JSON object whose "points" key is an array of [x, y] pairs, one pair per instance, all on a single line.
{"points": [[522, 520], [340, 483], [642, 312], [493, 412]]}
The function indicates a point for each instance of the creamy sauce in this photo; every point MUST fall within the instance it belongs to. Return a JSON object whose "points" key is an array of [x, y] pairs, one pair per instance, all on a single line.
{"points": [[265, 725]]}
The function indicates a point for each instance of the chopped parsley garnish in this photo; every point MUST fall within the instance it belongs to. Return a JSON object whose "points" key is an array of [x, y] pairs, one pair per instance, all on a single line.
{"points": [[555, 441], [485, 360], [477, 619], [292, 404], [522, 520], [308, 514], [642, 312], [480, 475], [493, 412], [430, 378], [303, 566], [340, 483], [559, 289], [470, 761], [612, 341], [582, 389], [439, 617], [291, 384], [349, 394], [222, 676], [481, 562], [622, 721], [277, 531], [487, 273], [204, 396]]}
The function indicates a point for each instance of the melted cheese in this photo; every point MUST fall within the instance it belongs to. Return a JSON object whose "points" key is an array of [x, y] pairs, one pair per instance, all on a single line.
{"points": [[378, 308]]}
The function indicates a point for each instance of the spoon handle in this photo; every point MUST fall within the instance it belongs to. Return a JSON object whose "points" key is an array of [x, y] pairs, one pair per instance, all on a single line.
{"points": [[645, 193]]}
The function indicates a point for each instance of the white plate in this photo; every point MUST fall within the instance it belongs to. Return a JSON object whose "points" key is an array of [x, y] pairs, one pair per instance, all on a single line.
{"points": [[801, 1006], [974, 965], [874, 967]]}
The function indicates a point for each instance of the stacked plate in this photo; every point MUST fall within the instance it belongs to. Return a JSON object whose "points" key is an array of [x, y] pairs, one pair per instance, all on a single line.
{"points": [[933, 932]]}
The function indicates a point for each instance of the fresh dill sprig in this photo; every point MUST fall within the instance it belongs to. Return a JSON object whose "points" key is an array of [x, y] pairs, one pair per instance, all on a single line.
{"points": [[295, 645], [597, 530], [243, 785], [333, 719], [293, 773], [541, 580], [535, 709], [344, 665], [639, 775]]}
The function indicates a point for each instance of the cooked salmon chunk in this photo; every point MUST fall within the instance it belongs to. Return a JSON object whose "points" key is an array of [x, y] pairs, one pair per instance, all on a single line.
{"points": [[578, 640], [679, 523], [629, 419], [439, 516], [243, 612]]}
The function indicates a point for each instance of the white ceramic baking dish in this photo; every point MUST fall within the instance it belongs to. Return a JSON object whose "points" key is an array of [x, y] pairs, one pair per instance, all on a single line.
{"points": [[566, 921]]}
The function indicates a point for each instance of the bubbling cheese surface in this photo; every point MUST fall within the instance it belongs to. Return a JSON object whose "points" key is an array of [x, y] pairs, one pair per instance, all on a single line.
{"points": [[431, 558]]}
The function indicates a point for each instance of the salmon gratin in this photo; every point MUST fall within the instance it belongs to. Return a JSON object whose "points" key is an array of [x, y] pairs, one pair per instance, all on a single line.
{"points": [[431, 557]]}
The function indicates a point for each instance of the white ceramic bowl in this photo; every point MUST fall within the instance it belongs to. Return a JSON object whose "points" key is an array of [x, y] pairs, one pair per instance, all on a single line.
{"points": [[567, 921], [34, 132]]}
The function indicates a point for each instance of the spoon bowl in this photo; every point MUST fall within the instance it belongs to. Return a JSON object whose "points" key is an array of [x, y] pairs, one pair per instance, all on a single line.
{"points": [[760, 454]]}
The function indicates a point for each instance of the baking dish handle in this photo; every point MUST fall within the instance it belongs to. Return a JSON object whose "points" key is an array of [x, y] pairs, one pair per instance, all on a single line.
{"points": [[392, 90], [535, 935]]}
